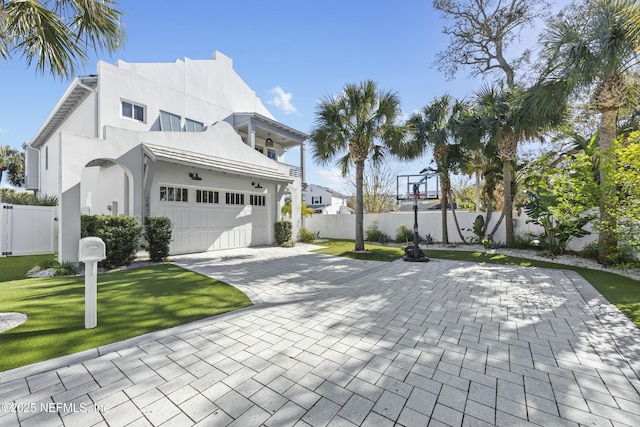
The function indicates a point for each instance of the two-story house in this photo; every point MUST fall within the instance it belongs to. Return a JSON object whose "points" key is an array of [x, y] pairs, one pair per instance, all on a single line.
{"points": [[188, 140], [325, 200]]}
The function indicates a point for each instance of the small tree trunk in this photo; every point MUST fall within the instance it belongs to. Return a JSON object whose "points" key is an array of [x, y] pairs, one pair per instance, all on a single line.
{"points": [[359, 206], [478, 202]]}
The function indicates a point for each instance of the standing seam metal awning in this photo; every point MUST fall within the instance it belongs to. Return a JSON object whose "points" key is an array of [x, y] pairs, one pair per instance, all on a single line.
{"points": [[189, 158]]}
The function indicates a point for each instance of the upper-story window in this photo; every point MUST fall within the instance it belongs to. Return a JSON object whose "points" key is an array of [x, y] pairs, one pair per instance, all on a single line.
{"points": [[169, 122], [272, 154], [133, 111], [193, 126]]}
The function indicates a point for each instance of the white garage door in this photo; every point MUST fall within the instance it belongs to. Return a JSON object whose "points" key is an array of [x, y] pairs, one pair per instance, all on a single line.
{"points": [[209, 219]]}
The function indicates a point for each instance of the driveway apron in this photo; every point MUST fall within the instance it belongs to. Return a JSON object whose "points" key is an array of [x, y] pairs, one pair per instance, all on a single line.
{"points": [[332, 341]]}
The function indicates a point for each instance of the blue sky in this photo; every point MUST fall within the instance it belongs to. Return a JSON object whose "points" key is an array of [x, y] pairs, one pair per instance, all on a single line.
{"points": [[290, 53]]}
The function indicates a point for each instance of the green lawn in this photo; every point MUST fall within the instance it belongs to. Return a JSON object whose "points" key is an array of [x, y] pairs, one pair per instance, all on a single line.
{"points": [[622, 291], [15, 267], [130, 303]]}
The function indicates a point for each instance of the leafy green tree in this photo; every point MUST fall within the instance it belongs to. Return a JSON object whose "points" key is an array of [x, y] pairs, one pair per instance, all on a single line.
{"points": [[358, 124], [57, 35], [593, 49], [561, 198], [623, 169]]}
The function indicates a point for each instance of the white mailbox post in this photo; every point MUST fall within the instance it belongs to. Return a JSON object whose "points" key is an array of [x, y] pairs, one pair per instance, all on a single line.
{"points": [[92, 251]]}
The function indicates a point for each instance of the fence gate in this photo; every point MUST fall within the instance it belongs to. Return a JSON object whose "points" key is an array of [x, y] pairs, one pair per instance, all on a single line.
{"points": [[27, 230]]}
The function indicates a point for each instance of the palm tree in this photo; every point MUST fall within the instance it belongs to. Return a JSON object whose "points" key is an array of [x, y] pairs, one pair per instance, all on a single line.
{"points": [[9, 160], [595, 49], [505, 117], [357, 124], [435, 127], [58, 34]]}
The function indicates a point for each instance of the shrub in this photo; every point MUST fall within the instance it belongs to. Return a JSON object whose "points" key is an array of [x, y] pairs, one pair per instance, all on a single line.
{"points": [[404, 234], [157, 232], [373, 233], [306, 236], [590, 250], [65, 268], [121, 236], [48, 263], [283, 232]]}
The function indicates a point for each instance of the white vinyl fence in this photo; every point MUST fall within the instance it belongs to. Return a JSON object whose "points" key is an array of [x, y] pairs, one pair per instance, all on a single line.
{"points": [[343, 226], [27, 230]]}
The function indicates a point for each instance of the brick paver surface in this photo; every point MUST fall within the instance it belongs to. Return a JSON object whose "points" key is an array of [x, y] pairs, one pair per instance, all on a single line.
{"points": [[333, 341]]}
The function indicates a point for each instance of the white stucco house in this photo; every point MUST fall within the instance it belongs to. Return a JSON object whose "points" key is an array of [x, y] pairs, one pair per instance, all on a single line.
{"points": [[325, 200], [188, 139]]}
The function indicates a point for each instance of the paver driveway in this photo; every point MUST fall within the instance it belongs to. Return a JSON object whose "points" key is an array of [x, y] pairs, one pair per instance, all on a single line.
{"points": [[333, 341]]}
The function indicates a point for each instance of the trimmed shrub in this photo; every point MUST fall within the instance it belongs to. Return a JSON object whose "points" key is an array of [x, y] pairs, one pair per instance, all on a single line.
{"points": [[306, 236], [121, 236], [157, 232], [404, 234], [283, 232], [373, 233]]}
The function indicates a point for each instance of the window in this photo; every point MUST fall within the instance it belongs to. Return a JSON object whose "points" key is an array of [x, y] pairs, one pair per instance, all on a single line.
{"points": [[193, 126], [133, 111], [206, 196], [316, 200], [46, 158], [272, 154], [169, 122], [234, 199], [257, 200], [174, 194], [260, 149]]}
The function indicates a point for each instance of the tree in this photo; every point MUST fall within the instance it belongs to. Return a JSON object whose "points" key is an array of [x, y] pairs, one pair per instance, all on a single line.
{"points": [[436, 127], [358, 124], [305, 211], [594, 49], [57, 35], [12, 162], [379, 187], [505, 118], [481, 33]]}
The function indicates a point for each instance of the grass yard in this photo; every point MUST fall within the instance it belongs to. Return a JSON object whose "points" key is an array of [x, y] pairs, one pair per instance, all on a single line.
{"points": [[130, 303], [621, 291], [15, 267], [344, 248]]}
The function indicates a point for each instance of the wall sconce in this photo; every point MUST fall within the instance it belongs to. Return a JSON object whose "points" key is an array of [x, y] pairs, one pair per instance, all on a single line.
{"points": [[256, 185], [268, 142], [195, 177]]}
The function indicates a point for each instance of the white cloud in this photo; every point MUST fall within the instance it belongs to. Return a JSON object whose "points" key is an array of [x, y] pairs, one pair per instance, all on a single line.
{"points": [[282, 100]]}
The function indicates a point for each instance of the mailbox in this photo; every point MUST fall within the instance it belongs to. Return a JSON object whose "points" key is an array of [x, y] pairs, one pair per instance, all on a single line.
{"points": [[92, 249]]}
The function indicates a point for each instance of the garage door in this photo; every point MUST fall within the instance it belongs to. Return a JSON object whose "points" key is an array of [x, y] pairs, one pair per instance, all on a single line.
{"points": [[208, 219]]}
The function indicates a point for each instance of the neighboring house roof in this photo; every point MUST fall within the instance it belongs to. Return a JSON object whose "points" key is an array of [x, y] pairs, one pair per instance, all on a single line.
{"points": [[206, 161], [305, 188], [428, 206], [77, 91]]}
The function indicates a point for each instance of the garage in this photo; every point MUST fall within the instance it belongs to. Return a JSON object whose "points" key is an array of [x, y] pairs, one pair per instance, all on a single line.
{"points": [[211, 218]]}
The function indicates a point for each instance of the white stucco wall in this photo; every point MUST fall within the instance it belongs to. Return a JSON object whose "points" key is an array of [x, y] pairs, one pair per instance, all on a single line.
{"points": [[343, 226]]}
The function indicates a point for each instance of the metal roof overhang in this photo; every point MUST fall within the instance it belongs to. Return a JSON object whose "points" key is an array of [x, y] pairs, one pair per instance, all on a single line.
{"points": [[265, 127], [218, 164], [79, 89]]}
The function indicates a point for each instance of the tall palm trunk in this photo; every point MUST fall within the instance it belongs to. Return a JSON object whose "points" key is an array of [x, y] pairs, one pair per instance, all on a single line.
{"points": [[607, 242], [508, 201], [444, 203], [359, 205]]}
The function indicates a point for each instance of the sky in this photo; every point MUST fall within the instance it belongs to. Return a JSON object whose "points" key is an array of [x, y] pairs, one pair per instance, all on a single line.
{"points": [[291, 53]]}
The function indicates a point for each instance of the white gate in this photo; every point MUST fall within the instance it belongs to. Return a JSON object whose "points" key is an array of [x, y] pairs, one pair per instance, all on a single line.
{"points": [[27, 230]]}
